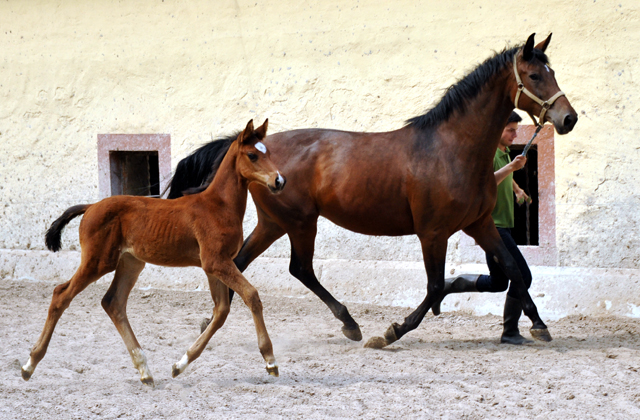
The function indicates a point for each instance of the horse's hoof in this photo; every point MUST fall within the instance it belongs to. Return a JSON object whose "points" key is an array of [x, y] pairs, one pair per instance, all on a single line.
{"points": [[376, 343], [204, 324], [541, 334], [516, 340], [148, 381], [175, 371], [273, 370], [26, 375], [436, 309], [353, 334]]}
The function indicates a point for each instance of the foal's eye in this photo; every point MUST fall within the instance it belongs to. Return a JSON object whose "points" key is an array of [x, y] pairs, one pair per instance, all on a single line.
{"points": [[252, 157], [534, 77]]}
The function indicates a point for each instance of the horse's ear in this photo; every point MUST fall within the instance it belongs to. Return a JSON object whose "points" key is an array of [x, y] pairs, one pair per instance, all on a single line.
{"points": [[261, 132], [544, 44], [527, 51], [247, 133]]}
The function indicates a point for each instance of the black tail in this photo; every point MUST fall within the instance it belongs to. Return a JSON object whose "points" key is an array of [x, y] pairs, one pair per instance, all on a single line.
{"points": [[52, 237], [196, 171]]}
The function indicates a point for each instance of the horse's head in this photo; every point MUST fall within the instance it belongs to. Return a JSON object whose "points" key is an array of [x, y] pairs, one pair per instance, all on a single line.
{"points": [[253, 161], [537, 91]]}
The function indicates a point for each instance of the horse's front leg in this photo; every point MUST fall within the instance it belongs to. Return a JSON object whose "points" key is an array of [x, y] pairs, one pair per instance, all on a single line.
{"points": [[486, 235], [434, 252]]}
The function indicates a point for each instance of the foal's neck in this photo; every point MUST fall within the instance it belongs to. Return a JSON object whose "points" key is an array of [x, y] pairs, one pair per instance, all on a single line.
{"points": [[228, 188]]}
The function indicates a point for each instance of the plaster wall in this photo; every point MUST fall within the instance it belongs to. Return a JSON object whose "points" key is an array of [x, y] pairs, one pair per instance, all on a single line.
{"points": [[197, 69]]}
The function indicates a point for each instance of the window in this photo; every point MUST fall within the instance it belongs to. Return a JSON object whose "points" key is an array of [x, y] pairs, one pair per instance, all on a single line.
{"points": [[542, 252], [133, 164]]}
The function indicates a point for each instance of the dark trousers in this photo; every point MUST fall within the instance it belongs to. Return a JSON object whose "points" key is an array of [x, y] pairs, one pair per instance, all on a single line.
{"points": [[497, 281]]}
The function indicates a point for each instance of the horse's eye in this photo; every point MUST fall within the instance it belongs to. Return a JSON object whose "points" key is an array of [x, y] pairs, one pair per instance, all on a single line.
{"points": [[534, 77], [252, 157]]}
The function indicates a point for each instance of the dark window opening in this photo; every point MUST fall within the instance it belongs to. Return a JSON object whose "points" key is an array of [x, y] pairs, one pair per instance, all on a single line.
{"points": [[134, 173], [525, 231]]}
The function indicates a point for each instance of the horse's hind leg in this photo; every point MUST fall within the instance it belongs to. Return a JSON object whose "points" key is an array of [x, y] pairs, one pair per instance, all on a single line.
{"points": [[486, 235], [228, 273], [220, 295], [301, 267], [114, 303], [63, 294]]}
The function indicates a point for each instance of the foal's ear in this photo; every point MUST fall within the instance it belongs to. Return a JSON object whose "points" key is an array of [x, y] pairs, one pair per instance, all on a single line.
{"points": [[261, 132], [527, 51], [247, 133], [544, 44]]}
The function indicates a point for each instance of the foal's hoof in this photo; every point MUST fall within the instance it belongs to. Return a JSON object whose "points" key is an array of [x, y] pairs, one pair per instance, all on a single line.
{"points": [[26, 375], [273, 370], [148, 381], [541, 334], [204, 324], [352, 333], [175, 370]]}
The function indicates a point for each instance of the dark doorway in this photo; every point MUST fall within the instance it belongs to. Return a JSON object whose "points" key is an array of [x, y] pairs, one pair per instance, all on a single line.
{"points": [[134, 173], [525, 231]]}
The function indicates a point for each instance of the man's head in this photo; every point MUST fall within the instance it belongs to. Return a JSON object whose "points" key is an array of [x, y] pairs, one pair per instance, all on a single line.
{"points": [[509, 133]]}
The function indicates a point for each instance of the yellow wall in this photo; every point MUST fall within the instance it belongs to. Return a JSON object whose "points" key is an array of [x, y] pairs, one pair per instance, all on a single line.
{"points": [[70, 70]]}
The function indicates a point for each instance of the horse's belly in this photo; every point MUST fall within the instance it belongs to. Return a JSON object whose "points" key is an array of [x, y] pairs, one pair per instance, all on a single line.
{"points": [[377, 221]]}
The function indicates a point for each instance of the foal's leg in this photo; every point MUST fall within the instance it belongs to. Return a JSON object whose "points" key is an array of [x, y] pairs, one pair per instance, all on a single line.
{"points": [[89, 271], [486, 235], [114, 303], [265, 233], [301, 267], [220, 295], [228, 273], [434, 252]]}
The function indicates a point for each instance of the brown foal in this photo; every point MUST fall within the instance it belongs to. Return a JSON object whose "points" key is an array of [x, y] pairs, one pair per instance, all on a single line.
{"points": [[122, 233]]}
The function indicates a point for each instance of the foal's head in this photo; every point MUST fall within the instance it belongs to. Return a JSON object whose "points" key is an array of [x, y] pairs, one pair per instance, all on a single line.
{"points": [[539, 79], [253, 161]]}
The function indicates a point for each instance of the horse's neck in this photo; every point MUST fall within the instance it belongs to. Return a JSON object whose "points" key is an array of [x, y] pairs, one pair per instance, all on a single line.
{"points": [[228, 187], [479, 127]]}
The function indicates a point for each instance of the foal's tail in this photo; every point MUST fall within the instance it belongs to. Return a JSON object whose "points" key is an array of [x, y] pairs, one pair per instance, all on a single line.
{"points": [[52, 237], [195, 172]]}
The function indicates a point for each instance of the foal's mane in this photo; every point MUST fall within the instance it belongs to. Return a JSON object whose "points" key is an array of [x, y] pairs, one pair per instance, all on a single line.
{"points": [[458, 95]]}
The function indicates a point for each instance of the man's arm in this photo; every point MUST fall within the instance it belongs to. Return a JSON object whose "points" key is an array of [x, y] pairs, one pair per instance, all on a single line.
{"points": [[502, 173]]}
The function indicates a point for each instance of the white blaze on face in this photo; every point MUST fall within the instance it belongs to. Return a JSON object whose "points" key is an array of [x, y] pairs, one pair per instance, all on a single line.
{"points": [[261, 147], [547, 68]]}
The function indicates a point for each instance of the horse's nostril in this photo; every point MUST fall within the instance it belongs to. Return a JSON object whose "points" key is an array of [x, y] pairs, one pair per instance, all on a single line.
{"points": [[570, 120]]}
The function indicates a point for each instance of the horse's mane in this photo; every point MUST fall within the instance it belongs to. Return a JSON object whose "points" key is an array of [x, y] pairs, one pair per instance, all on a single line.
{"points": [[199, 167], [458, 95]]}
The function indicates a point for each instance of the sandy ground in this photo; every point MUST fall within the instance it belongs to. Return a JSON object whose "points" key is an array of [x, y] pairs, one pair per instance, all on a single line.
{"points": [[452, 366]]}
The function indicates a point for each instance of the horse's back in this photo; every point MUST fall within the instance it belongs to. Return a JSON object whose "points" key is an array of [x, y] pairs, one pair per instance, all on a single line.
{"points": [[353, 179]]}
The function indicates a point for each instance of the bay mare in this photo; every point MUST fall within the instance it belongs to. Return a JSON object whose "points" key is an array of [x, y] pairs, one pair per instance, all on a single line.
{"points": [[431, 178], [122, 233]]}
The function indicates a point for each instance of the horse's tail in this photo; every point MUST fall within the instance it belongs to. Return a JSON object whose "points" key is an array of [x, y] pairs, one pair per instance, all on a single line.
{"points": [[52, 237], [195, 172]]}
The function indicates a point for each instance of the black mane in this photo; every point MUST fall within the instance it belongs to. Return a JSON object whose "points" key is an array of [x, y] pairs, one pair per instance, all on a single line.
{"points": [[199, 166], [458, 95]]}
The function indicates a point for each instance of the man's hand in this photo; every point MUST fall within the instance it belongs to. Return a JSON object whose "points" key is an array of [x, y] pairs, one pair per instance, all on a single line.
{"points": [[521, 196], [518, 162]]}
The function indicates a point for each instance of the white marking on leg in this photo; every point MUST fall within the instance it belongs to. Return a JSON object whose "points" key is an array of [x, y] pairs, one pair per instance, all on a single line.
{"points": [[261, 147], [183, 363], [140, 363], [29, 367]]}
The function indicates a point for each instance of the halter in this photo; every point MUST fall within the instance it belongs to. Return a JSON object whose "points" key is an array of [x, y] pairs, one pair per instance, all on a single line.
{"points": [[544, 104]]}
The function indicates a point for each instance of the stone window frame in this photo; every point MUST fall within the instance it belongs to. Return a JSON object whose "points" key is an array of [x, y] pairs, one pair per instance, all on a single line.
{"points": [[546, 253], [160, 143]]}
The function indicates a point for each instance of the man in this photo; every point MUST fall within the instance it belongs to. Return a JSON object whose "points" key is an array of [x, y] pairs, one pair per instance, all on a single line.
{"points": [[502, 215]]}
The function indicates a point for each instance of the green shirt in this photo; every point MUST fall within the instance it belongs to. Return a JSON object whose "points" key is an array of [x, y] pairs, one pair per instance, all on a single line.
{"points": [[503, 211]]}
